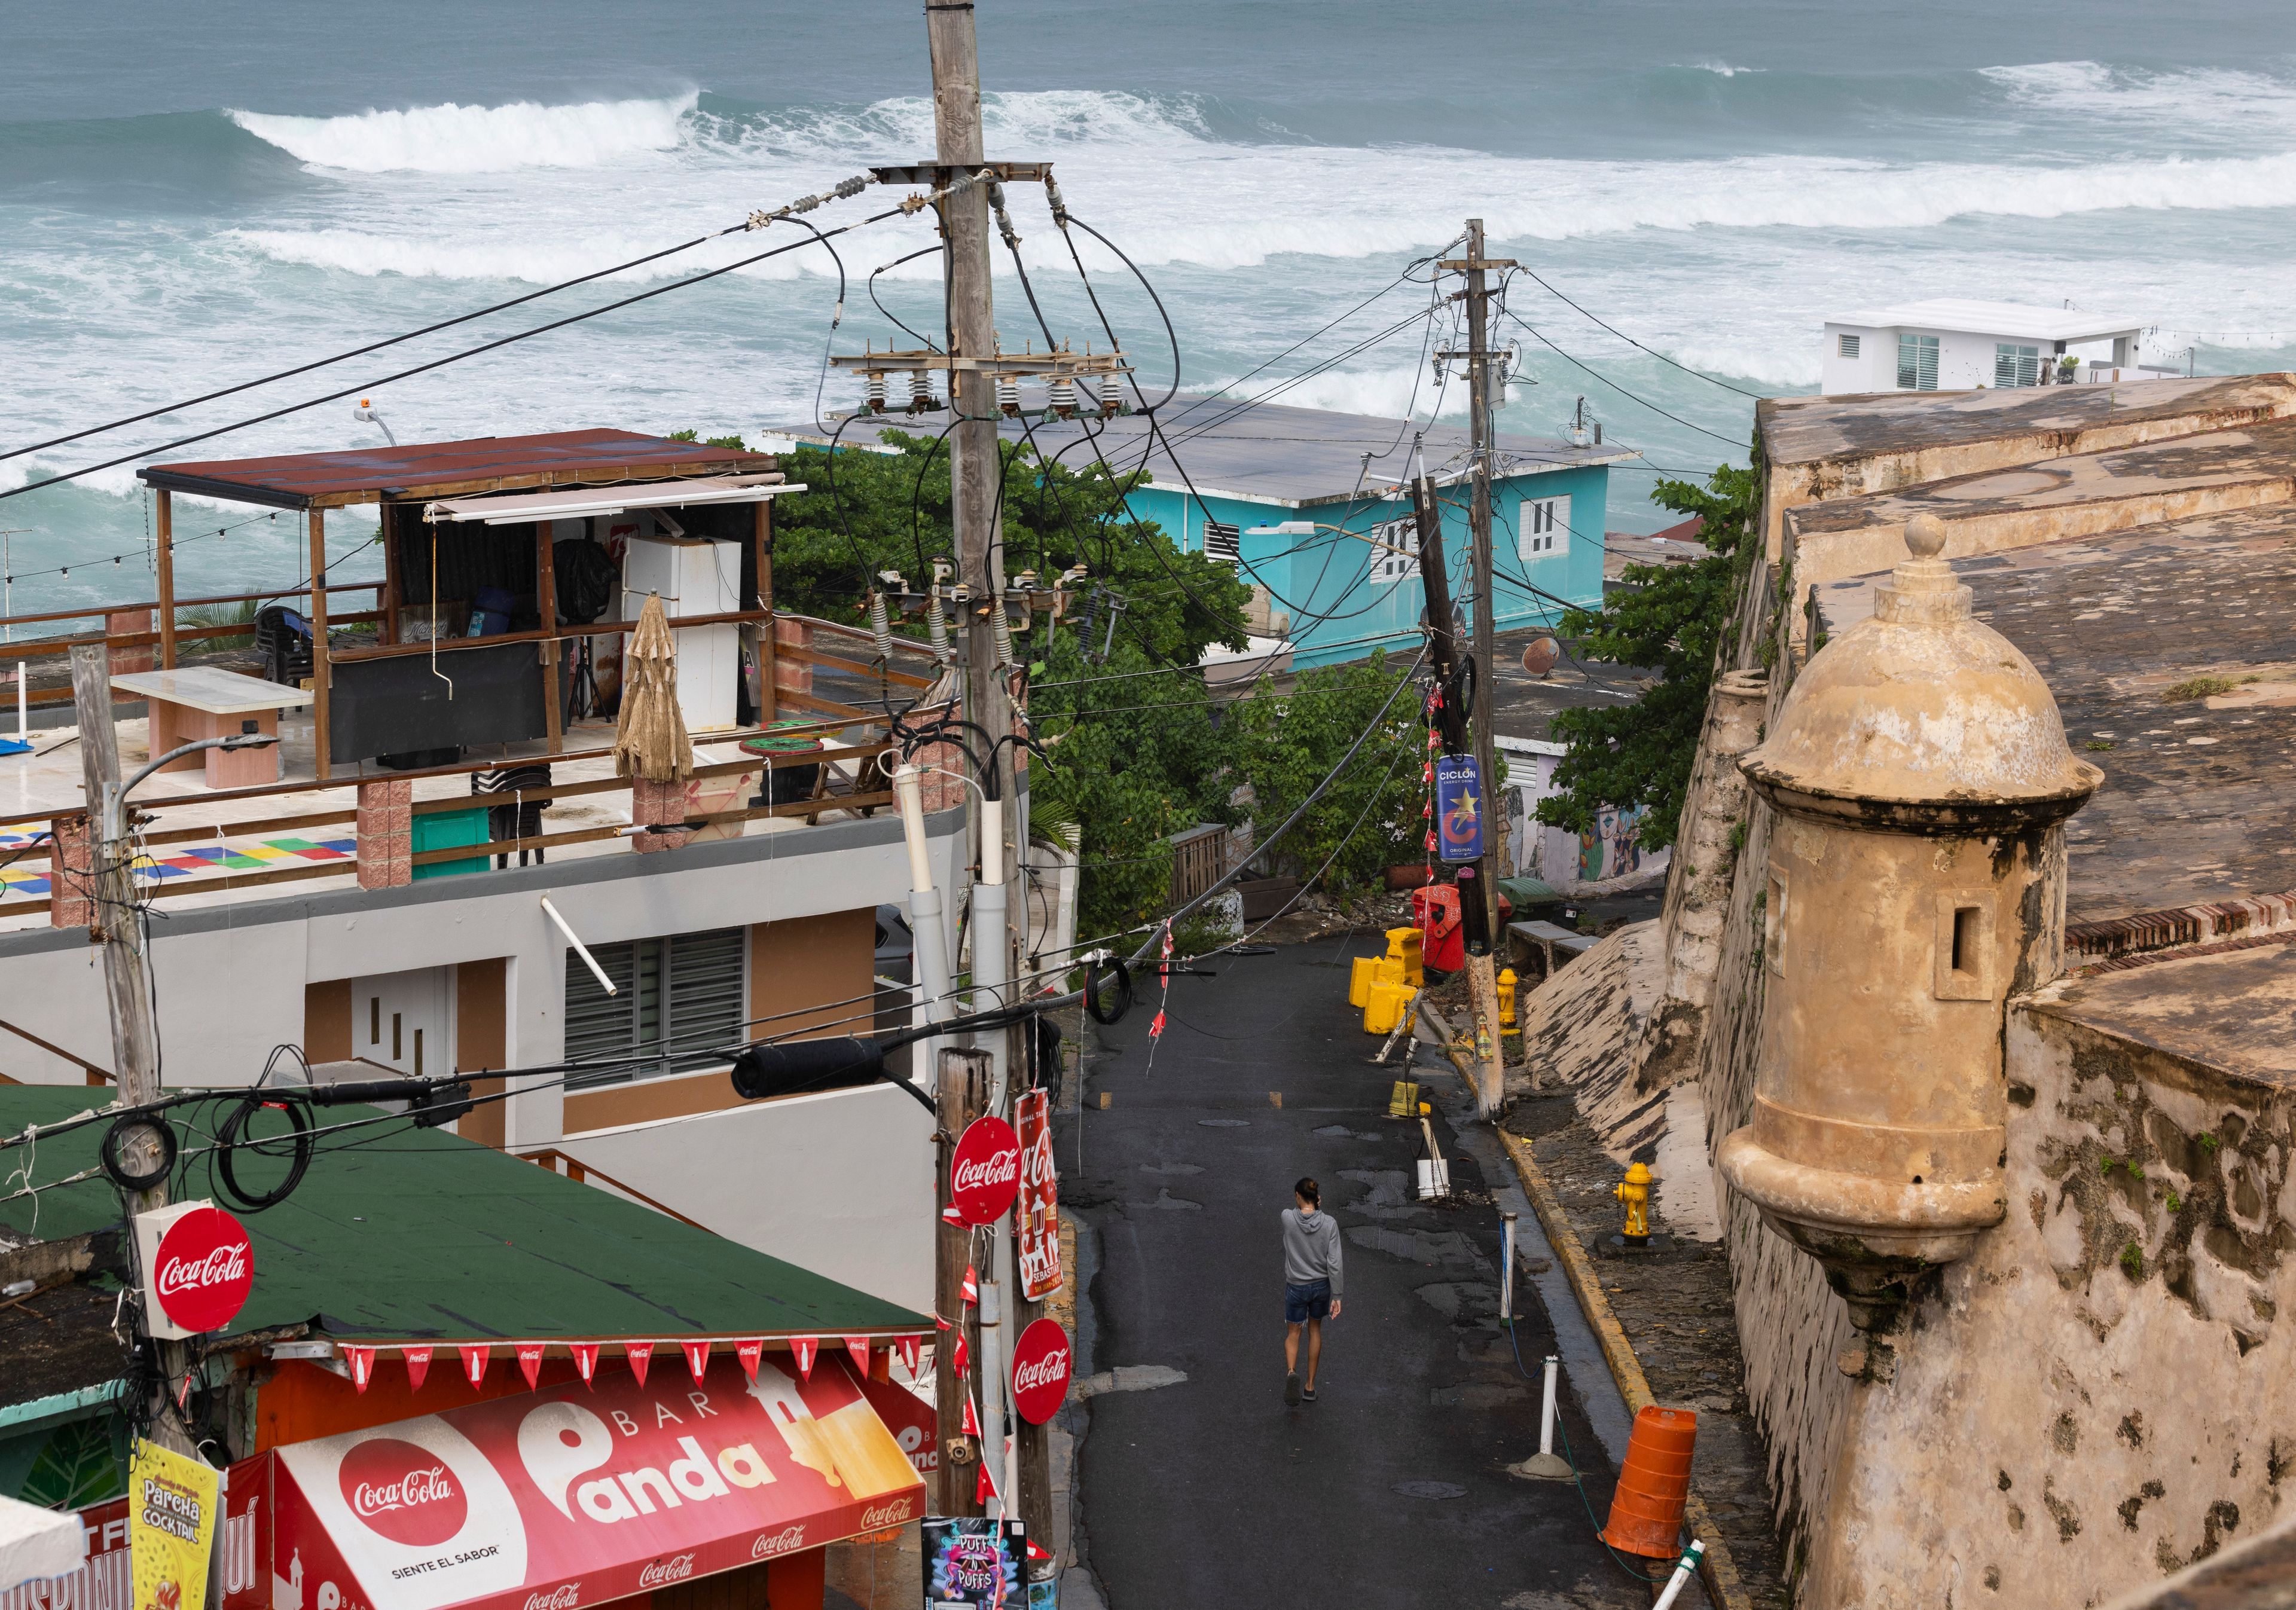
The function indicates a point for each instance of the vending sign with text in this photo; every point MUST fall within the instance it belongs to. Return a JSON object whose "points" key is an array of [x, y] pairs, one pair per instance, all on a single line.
{"points": [[198, 1266], [108, 1579], [173, 1502], [569, 1498], [1036, 1234], [984, 1171]]}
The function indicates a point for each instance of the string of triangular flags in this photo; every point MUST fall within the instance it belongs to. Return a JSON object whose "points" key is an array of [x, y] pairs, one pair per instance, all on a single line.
{"points": [[960, 1359], [748, 1350]]}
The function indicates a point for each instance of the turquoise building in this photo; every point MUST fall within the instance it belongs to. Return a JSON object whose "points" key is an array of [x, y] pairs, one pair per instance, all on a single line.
{"points": [[1313, 507]]}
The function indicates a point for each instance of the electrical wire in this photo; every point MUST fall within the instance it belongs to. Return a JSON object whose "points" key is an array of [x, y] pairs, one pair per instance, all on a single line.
{"points": [[1629, 340], [1622, 390], [652, 257]]}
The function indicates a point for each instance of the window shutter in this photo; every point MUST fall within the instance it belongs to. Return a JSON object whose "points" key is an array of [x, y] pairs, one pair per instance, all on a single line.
{"points": [[705, 996], [1849, 346], [599, 1024], [1918, 362], [1224, 542]]}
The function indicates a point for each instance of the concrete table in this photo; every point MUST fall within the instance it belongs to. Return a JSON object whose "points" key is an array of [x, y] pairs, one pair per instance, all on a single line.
{"points": [[203, 701]]}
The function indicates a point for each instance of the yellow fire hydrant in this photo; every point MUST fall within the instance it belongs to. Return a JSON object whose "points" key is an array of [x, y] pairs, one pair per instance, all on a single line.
{"points": [[1635, 1192], [1506, 997]]}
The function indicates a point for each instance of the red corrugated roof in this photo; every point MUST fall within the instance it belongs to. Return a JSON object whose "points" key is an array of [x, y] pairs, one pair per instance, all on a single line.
{"points": [[565, 458]]}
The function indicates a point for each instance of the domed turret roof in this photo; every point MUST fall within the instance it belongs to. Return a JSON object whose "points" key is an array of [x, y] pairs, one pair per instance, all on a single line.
{"points": [[1922, 717]]}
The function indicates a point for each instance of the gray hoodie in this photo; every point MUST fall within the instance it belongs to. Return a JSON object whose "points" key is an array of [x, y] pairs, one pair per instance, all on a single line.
{"points": [[1311, 1249]]}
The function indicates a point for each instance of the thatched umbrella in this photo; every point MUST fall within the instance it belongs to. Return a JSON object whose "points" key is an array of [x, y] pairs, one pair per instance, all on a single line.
{"points": [[650, 741]]}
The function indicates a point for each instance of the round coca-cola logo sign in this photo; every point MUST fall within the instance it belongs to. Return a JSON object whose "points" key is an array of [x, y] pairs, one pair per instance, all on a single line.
{"points": [[984, 1176], [1041, 1362], [203, 1270], [404, 1492]]}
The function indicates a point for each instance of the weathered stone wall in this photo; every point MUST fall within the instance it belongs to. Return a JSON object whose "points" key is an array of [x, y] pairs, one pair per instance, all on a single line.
{"points": [[2100, 1394]]}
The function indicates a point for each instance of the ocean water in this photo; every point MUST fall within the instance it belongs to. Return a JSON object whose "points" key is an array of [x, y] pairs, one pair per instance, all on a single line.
{"points": [[191, 196]]}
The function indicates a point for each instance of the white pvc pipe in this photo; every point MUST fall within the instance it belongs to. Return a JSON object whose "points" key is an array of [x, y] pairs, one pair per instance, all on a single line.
{"points": [[1506, 1268], [992, 1390], [580, 949], [1684, 1569], [1546, 1408], [23, 683]]}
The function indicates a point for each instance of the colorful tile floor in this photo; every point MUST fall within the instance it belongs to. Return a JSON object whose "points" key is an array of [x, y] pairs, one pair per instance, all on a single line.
{"points": [[185, 862]]}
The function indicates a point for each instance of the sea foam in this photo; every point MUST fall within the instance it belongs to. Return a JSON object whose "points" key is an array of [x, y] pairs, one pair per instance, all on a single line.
{"points": [[456, 139]]}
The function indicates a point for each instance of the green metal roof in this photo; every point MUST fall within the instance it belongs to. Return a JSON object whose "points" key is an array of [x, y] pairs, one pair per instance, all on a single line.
{"points": [[420, 1235]]}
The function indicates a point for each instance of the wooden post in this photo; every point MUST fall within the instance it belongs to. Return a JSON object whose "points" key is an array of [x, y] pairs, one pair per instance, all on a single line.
{"points": [[322, 668], [552, 648], [962, 1097], [769, 706], [386, 513], [126, 969], [164, 561]]}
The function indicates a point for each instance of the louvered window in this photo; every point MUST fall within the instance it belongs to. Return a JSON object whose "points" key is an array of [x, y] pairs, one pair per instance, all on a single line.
{"points": [[1849, 346], [1224, 542], [677, 1004], [2014, 367], [1918, 362]]}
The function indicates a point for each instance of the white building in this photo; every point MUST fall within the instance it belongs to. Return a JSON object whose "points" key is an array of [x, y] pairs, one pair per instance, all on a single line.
{"points": [[1958, 345]]}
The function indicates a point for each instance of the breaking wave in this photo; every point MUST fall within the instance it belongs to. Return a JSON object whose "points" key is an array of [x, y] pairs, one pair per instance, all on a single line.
{"points": [[456, 139]]}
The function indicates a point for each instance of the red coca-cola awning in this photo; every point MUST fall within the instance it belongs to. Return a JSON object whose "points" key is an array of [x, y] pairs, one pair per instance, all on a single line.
{"points": [[572, 1497]]}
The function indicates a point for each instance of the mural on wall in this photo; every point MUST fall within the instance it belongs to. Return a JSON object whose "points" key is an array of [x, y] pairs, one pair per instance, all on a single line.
{"points": [[1565, 861], [1614, 848]]}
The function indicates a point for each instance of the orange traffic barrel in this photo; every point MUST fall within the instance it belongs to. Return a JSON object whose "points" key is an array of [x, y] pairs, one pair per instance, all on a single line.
{"points": [[1646, 1508]]}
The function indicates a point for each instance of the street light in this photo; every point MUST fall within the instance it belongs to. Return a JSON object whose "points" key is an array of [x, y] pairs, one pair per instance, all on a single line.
{"points": [[115, 794]]}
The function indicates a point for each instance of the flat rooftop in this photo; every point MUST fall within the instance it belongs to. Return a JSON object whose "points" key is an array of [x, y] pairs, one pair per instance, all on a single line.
{"points": [[1993, 318], [1266, 452], [2051, 419], [2199, 799], [2234, 1009]]}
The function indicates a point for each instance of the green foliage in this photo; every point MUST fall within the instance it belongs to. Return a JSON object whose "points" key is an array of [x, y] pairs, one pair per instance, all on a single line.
{"points": [[2176, 1203], [1285, 746], [2200, 687], [2209, 1143], [1671, 621], [867, 512], [2132, 1260]]}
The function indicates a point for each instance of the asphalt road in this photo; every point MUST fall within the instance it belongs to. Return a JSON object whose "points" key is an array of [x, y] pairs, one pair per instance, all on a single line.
{"points": [[1390, 1491]]}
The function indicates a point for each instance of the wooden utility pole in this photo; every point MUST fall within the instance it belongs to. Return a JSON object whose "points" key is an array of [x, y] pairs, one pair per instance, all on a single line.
{"points": [[962, 1096], [1479, 904], [1443, 642], [976, 469], [127, 967]]}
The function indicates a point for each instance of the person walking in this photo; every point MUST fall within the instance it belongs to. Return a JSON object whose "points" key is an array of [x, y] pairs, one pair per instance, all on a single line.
{"points": [[1313, 1280]]}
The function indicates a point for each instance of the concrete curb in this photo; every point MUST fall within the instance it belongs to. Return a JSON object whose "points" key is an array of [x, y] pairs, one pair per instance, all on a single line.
{"points": [[1716, 1570]]}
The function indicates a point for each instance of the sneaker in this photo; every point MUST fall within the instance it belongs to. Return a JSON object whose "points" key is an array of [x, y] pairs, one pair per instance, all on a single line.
{"points": [[1292, 1388], [1309, 1395]]}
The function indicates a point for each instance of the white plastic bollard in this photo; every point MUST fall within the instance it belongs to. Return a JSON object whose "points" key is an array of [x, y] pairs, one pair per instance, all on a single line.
{"points": [[1547, 1465], [1507, 1270], [1683, 1569]]}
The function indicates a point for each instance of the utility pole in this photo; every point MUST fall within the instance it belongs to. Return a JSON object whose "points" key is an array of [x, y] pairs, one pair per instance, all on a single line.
{"points": [[962, 1087], [976, 469], [1479, 904], [126, 969]]}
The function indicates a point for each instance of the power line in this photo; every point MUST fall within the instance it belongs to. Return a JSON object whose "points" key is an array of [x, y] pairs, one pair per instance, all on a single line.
{"points": [[1622, 390], [852, 186], [1637, 346]]}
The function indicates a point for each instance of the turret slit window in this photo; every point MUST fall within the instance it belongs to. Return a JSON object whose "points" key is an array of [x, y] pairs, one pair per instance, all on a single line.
{"points": [[1773, 926], [1965, 949], [676, 1006]]}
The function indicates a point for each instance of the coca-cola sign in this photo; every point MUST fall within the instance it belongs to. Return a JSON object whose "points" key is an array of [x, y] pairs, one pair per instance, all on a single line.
{"points": [[984, 1175], [1042, 1360], [789, 1540], [878, 1517], [676, 1568], [199, 1267], [403, 1492], [1036, 1226], [564, 1597]]}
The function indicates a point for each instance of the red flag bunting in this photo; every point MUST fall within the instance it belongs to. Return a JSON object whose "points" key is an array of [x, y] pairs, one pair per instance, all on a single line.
{"points": [[1156, 1028], [362, 1361], [983, 1489], [640, 1355], [949, 1215], [972, 1419], [961, 1358], [939, 1321], [804, 1348], [908, 1347], [418, 1365], [857, 1348], [697, 1357], [585, 1360], [970, 1289], [529, 1362], [474, 1361], [749, 1353], [183, 1390]]}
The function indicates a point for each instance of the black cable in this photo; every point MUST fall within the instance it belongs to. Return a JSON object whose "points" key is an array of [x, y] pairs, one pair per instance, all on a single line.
{"points": [[1630, 340], [455, 357], [1622, 392], [231, 1137], [895, 263]]}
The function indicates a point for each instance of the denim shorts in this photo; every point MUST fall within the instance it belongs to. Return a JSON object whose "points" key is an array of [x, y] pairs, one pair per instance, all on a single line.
{"points": [[1302, 1304]]}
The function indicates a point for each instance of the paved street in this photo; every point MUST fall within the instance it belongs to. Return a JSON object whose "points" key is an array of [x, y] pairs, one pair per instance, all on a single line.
{"points": [[1388, 1492]]}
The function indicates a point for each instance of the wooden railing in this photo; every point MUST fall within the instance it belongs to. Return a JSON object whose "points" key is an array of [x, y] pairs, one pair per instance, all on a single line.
{"points": [[582, 1173]]}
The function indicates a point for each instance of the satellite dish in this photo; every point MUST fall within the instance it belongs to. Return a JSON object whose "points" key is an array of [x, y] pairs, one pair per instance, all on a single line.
{"points": [[1541, 655]]}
